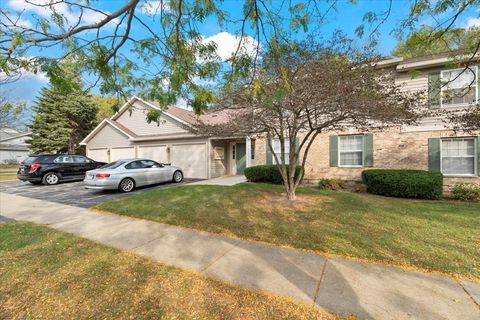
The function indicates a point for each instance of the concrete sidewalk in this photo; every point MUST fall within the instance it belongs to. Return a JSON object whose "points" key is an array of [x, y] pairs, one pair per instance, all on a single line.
{"points": [[338, 285], [222, 181]]}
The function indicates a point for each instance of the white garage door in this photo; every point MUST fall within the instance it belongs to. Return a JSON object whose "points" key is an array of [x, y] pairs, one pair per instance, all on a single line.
{"points": [[191, 158], [100, 155], [157, 153], [122, 153]]}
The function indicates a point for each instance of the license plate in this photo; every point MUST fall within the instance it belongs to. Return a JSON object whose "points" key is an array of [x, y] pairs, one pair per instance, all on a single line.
{"points": [[91, 176]]}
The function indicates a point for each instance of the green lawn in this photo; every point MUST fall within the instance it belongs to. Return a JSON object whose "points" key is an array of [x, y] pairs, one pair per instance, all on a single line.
{"points": [[433, 235], [47, 274]]}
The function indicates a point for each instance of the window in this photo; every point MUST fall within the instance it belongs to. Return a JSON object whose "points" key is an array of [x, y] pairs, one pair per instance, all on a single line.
{"points": [[277, 149], [350, 151], [112, 165], [63, 159], [134, 165], [79, 159], [150, 164], [458, 156], [459, 86]]}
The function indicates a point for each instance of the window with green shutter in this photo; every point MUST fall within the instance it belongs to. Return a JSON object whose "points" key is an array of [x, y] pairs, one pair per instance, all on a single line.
{"points": [[368, 150]]}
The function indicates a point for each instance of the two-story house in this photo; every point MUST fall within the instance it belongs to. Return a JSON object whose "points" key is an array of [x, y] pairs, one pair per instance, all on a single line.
{"points": [[430, 145]]}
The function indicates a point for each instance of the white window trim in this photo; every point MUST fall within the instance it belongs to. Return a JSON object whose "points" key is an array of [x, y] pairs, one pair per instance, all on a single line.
{"points": [[363, 151], [475, 160], [448, 106], [287, 154]]}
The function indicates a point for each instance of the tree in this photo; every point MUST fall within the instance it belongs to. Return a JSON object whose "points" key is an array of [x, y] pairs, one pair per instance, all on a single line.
{"points": [[107, 106], [423, 42], [11, 112], [65, 114], [303, 90]]}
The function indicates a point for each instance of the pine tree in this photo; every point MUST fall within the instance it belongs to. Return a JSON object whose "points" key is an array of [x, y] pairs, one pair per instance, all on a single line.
{"points": [[65, 114]]}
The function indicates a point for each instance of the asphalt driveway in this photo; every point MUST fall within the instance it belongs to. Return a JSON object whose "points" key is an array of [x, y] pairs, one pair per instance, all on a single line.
{"points": [[73, 193]]}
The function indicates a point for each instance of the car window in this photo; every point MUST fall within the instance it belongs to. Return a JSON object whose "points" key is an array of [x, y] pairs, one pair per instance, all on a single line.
{"points": [[30, 160], [79, 159], [63, 159], [134, 165], [149, 163], [112, 165]]}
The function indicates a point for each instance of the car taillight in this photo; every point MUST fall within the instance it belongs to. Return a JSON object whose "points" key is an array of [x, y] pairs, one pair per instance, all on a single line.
{"points": [[102, 175], [34, 167]]}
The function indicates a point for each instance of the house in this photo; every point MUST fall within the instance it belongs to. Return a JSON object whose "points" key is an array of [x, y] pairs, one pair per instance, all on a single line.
{"points": [[13, 146], [429, 145], [128, 135]]}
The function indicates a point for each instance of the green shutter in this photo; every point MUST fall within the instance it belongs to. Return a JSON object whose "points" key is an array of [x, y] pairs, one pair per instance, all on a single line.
{"points": [[434, 154], [368, 150], [268, 152], [333, 151], [478, 155], [434, 86]]}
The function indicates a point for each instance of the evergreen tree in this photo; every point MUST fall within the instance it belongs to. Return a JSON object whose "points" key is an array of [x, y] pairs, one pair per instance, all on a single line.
{"points": [[65, 114]]}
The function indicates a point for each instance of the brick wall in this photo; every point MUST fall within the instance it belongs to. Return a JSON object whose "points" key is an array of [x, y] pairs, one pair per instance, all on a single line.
{"points": [[393, 149]]}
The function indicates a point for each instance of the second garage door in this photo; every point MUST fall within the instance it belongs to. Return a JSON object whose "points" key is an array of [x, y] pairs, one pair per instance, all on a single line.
{"points": [[157, 153], [122, 153], [191, 158]]}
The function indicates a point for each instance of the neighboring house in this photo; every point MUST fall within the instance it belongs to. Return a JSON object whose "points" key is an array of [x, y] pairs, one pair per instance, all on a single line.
{"points": [[13, 146], [343, 155]]}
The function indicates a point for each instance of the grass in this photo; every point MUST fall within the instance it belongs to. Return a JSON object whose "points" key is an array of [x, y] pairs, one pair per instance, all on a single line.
{"points": [[47, 274], [430, 235], [8, 177]]}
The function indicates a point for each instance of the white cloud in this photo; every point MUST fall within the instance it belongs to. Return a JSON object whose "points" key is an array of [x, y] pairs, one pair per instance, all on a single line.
{"points": [[27, 75], [473, 22], [44, 9], [227, 44], [153, 7]]}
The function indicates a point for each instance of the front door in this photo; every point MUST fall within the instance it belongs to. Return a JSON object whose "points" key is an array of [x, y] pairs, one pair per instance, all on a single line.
{"points": [[240, 157]]}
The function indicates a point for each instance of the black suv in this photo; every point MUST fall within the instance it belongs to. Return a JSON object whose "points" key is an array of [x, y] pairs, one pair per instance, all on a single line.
{"points": [[51, 169]]}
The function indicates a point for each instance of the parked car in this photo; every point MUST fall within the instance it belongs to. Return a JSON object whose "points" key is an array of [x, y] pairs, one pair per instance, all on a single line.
{"points": [[51, 169], [126, 175]]}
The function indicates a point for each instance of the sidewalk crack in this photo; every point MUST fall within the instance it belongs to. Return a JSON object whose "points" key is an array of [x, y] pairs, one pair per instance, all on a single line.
{"points": [[208, 265], [468, 293], [320, 281]]}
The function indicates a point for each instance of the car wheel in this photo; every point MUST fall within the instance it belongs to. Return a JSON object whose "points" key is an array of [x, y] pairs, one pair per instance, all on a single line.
{"points": [[126, 185], [177, 176], [35, 182], [51, 178]]}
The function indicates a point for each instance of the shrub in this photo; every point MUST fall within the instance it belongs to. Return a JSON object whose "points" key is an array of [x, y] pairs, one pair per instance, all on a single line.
{"points": [[404, 183], [267, 173], [331, 184], [466, 191]]}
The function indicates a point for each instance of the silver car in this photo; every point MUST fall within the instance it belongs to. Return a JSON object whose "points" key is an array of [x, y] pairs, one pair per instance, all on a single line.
{"points": [[125, 175]]}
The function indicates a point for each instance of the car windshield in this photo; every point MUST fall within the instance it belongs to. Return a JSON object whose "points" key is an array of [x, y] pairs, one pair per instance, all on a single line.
{"points": [[112, 165]]}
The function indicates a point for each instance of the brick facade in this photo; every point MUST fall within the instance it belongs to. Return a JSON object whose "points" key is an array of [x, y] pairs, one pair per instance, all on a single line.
{"points": [[393, 149]]}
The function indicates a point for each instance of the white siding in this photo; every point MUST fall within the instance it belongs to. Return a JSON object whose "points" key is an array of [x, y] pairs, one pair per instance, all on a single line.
{"points": [[108, 137], [136, 122]]}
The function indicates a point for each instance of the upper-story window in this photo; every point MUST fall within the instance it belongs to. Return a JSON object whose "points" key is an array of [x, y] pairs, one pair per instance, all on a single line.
{"points": [[459, 86]]}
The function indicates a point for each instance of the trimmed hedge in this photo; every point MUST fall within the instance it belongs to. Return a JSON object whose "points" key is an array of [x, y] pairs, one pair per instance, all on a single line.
{"points": [[404, 183], [267, 173]]}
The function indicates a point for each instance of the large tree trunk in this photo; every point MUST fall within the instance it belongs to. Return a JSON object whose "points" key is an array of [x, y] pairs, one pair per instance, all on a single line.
{"points": [[291, 192]]}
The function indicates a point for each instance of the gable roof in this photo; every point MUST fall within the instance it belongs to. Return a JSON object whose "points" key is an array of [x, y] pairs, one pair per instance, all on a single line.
{"points": [[428, 61], [181, 115], [104, 123]]}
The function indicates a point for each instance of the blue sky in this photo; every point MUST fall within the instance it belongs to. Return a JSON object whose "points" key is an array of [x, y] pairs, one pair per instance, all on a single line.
{"points": [[346, 18]]}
